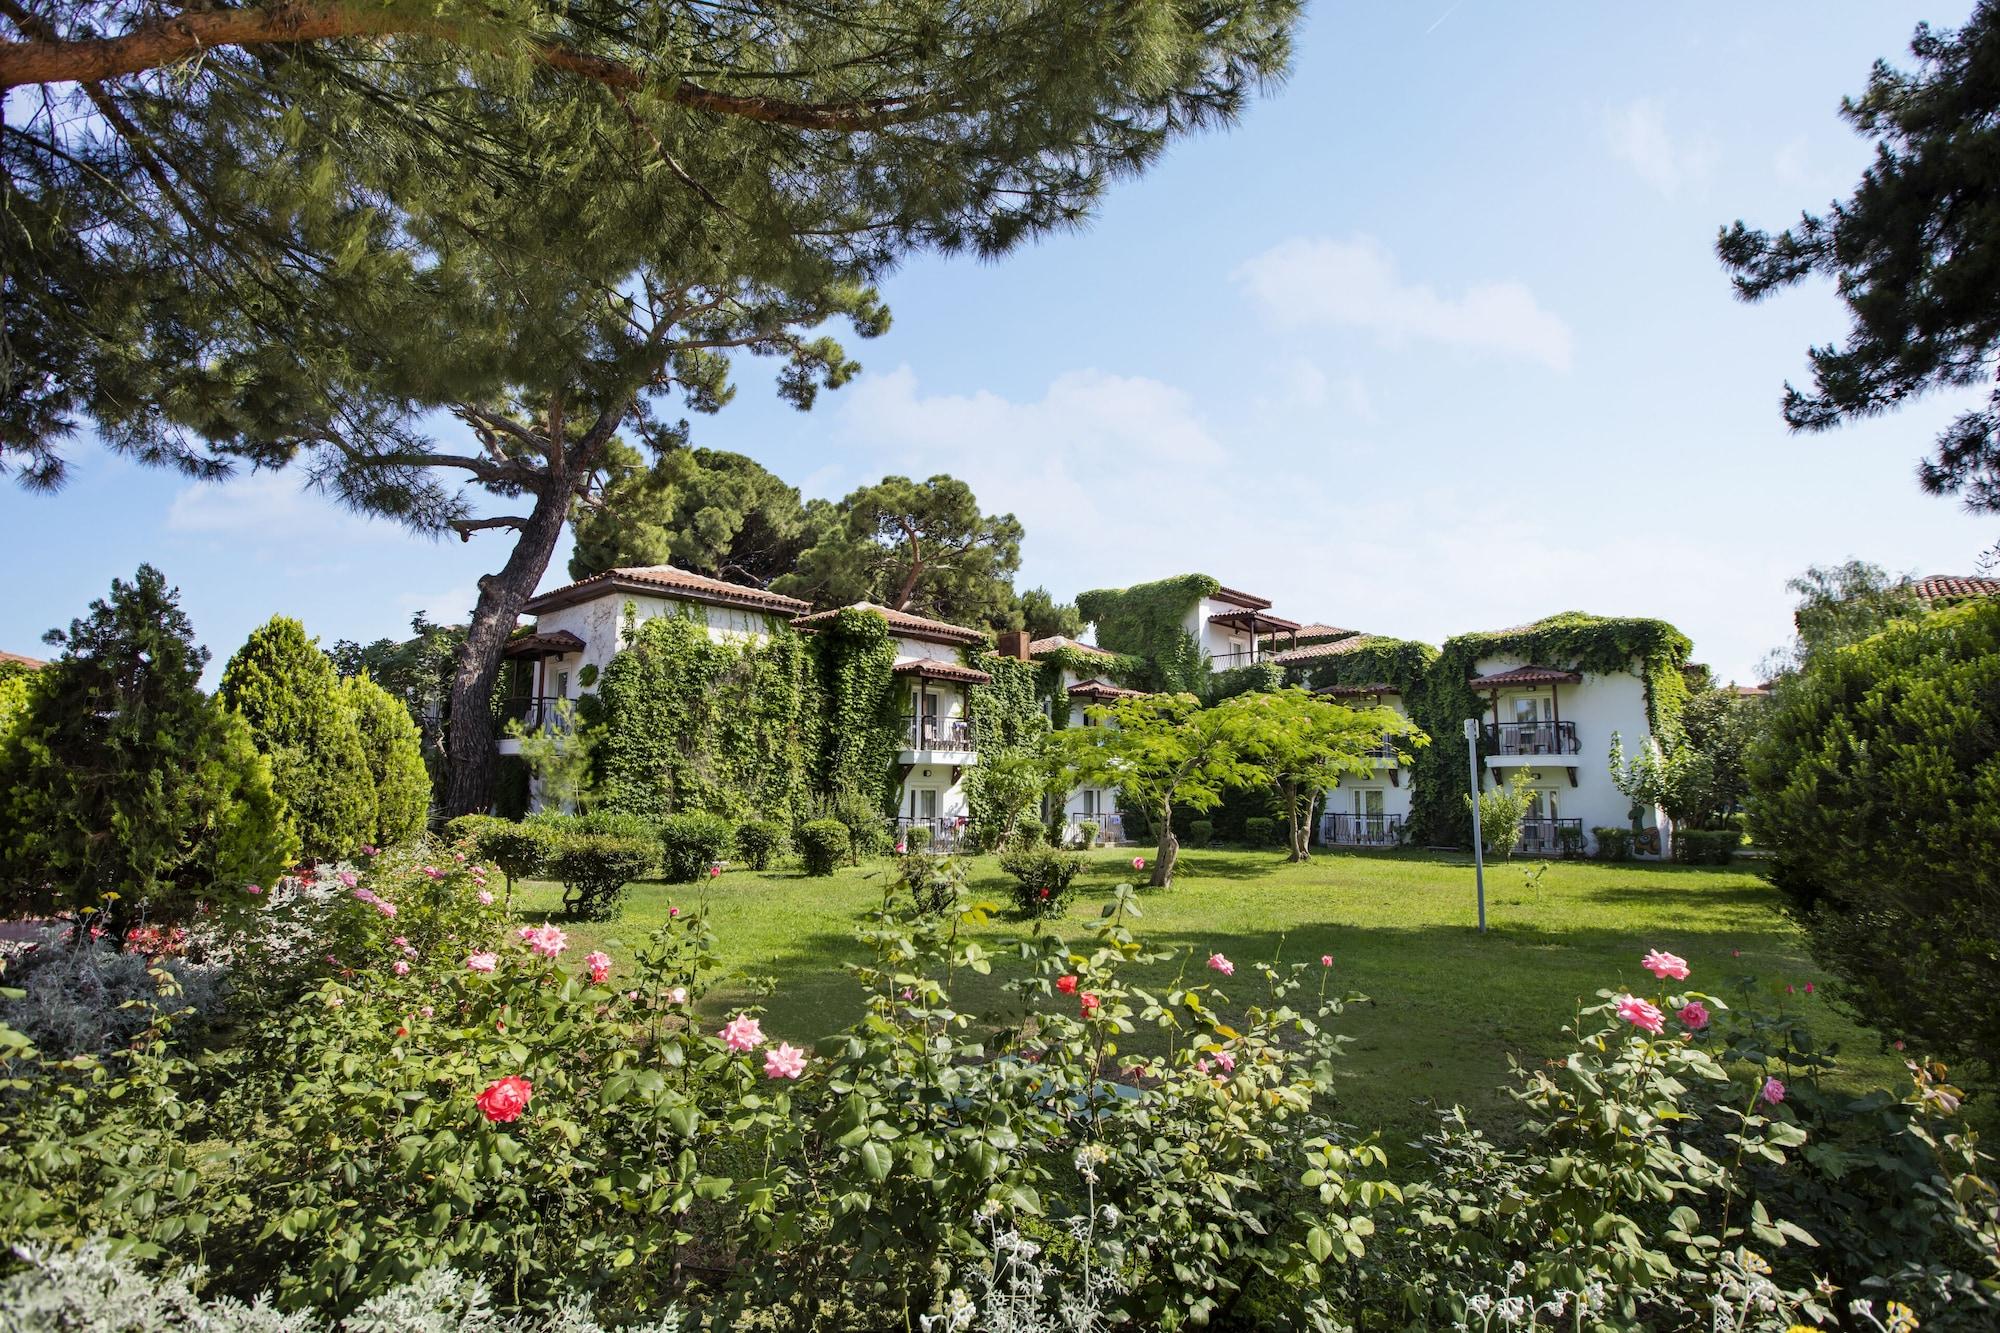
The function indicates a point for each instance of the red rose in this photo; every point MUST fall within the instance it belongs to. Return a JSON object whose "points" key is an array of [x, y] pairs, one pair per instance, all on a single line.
{"points": [[506, 1099], [1067, 985], [1088, 1004]]}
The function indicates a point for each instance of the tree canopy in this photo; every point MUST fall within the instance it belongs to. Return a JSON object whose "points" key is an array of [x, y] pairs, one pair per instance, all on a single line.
{"points": [[922, 547], [1305, 744], [1914, 254], [707, 510]]}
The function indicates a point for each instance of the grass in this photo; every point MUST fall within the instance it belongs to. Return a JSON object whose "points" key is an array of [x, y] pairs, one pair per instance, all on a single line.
{"points": [[1447, 1007]]}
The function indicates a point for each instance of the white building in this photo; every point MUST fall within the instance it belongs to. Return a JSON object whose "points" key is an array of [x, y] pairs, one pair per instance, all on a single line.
{"points": [[1077, 694], [940, 737], [1555, 725], [580, 626], [1234, 628]]}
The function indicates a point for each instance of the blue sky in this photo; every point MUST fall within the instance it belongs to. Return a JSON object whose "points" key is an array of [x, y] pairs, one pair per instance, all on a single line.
{"points": [[1434, 341]]}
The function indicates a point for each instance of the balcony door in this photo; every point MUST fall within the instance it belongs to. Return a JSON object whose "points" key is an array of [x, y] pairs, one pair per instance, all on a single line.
{"points": [[1531, 735], [924, 805], [924, 704]]}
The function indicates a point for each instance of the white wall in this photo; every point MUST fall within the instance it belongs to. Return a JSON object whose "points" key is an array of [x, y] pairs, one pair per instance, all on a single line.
{"points": [[1217, 640], [600, 623], [1395, 795]]}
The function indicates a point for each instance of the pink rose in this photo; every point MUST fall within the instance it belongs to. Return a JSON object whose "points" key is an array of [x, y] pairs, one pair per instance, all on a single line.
{"points": [[482, 962], [1138, 863], [673, 911], [1774, 1091], [546, 939], [252, 889], [505, 1099], [713, 871], [369, 849], [1218, 963], [902, 847], [1693, 1015], [742, 1033], [1809, 988], [1326, 960], [347, 879], [1640, 1014], [784, 1061], [678, 995], [1067, 985], [426, 1011], [1087, 1004], [485, 898], [1664, 965], [1225, 1062], [599, 963], [401, 967]]}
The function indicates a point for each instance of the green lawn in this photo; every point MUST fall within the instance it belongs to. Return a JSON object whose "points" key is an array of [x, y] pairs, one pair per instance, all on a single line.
{"points": [[1447, 1007]]}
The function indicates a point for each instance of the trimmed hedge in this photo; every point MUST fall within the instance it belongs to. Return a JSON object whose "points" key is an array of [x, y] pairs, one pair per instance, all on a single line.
{"points": [[1260, 831], [1613, 844], [1086, 833], [1201, 833], [822, 843], [758, 840], [595, 868], [1706, 847], [690, 844], [917, 839], [1043, 879]]}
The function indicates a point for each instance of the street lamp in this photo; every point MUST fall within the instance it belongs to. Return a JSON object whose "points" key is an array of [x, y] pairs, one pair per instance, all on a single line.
{"points": [[1478, 852]]}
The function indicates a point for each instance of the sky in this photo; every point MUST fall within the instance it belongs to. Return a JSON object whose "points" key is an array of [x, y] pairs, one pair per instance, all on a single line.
{"points": [[1433, 341]]}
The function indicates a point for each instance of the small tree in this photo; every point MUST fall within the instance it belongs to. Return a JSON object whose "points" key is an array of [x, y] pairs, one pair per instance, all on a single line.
{"points": [[559, 759], [1305, 744], [285, 688], [395, 754], [121, 777], [1162, 750], [1501, 812]]}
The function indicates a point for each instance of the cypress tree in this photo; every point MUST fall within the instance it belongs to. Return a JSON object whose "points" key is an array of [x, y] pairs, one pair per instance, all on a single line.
{"points": [[119, 776], [285, 688], [395, 760]]}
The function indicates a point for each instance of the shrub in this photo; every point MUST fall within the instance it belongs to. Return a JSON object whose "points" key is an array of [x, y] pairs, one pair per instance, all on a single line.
{"points": [[917, 838], [1569, 842], [285, 688], [1706, 847], [867, 828], [519, 848], [690, 844], [1201, 833], [1029, 833], [98, 746], [1501, 811], [83, 998], [823, 842], [1613, 844], [595, 868], [1086, 833], [1042, 878], [1260, 831], [935, 883], [395, 754], [1877, 790], [759, 840]]}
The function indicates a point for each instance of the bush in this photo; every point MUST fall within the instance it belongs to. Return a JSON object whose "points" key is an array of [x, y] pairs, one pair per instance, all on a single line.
{"points": [[78, 999], [1613, 844], [98, 747], [917, 838], [758, 841], [690, 844], [1086, 833], [519, 848], [1030, 833], [395, 755], [1569, 842], [1260, 831], [822, 843], [285, 688], [1706, 847], [1877, 789], [1201, 833], [1042, 877], [934, 883], [595, 868], [868, 831]]}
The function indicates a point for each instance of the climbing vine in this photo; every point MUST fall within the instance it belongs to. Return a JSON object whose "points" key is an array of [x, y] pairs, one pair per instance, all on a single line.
{"points": [[861, 710], [1009, 708], [1118, 669], [1148, 621]]}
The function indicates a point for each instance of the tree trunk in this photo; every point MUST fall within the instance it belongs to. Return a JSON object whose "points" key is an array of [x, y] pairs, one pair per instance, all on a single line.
{"points": [[1169, 850], [469, 746], [1298, 830]]}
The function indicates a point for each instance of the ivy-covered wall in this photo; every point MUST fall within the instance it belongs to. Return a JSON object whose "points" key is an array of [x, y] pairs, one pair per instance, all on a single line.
{"points": [[686, 723], [1148, 621], [1229, 683], [1410, 666], [861, 710], [1119, 669], [1009, 709]]}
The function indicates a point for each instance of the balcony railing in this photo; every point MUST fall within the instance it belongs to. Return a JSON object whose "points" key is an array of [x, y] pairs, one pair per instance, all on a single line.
{"points": [[1386, 750], [939, 733], [1236, 657], [1110, 826], [1544, 836], [946, 833], [1531, 737], [1344, 830], [538, 713]]}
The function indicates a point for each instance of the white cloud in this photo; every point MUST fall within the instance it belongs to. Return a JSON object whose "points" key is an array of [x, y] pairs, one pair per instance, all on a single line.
{"points": [[1309, 281], [1638, 136], [264, 508]]}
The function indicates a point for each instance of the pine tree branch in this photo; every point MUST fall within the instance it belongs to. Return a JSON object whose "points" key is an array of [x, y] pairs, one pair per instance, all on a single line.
{"points": [[165, 41]]}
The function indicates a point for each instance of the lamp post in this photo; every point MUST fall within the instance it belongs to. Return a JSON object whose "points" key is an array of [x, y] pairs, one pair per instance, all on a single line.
{"points": [[1478, 851]]}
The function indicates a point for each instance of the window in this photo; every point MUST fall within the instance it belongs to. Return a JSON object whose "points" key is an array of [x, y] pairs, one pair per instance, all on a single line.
{"points": [[562, 684]]}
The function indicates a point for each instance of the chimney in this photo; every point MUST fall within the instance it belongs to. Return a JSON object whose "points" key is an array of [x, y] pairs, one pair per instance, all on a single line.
{"points": [[1014, 643]]}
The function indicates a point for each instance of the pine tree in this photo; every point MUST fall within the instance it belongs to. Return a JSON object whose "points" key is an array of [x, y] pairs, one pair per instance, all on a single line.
{"points": [[395, 761], [285, 689], [121, 777]]}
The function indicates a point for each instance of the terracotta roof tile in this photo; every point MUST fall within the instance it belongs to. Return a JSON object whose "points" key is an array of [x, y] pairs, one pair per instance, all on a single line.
{"points": [[1527, 675], [934, 669], [1946, 587], [1057, 641], [1314, 652], [1098, 689], [18, 659], [543, 645], [666, 581], [1244, 599], [1349, 691], [1319, 631], [902, 622]]}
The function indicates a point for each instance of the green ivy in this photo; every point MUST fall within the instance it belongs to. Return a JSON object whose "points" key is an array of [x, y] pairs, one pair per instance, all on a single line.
{"points": [[1010, 708], [861, 709], [1229, 683], [1119, 669], [1149, 621]]}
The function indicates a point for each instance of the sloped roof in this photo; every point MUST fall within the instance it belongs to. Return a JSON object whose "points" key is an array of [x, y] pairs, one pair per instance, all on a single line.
{"points": [[902, 622], [1249, 600], [1346, 691], [666, 581], [1317, 631], [18, 659], [1945, 587], [1315, 651], [1099, 689], [1527, 675], [543, 645], [934, 669], [1057, 642]]}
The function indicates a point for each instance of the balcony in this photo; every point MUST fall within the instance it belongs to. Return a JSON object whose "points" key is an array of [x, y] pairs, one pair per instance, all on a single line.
{"points": [[1237, 657], [538, 713], [931, 736], [1550, 837], [1511, 740], [946, 833], [1344, 830]]}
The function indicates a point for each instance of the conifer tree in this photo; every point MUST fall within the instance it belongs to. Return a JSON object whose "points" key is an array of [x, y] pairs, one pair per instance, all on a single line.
{"points": [[285, 689], [395, 755], [120, 777]]}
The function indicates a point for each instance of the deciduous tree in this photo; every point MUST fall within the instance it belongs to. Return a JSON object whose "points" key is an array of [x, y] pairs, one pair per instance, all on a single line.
{"points": [[1305, 744]]}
